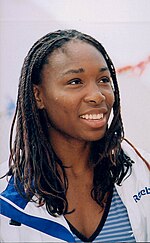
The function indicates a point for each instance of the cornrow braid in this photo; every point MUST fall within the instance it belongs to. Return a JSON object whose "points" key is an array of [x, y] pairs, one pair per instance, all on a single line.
{"points": [[33, 162]]}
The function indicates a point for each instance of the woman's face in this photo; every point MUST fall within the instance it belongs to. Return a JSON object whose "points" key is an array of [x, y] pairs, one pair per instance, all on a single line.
{"points": [[76, 92]]}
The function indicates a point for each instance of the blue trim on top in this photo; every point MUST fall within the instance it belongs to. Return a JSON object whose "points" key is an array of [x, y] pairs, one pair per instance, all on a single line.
{"points": [[12, 194], [43, 225]]}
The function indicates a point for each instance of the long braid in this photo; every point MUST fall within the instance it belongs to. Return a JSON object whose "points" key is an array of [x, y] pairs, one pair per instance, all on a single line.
{"points": [[32, 159], [34, 151]]}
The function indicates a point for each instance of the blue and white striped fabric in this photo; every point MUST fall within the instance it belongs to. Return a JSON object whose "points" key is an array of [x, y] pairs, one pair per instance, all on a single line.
{"points": [[117, 227]]}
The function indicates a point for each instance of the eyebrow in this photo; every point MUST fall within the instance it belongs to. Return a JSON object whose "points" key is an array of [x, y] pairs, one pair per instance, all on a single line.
{"points": [[81, 70], [103, 69]]}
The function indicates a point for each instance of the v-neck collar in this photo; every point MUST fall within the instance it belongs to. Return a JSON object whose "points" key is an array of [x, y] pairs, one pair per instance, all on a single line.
{"points": [[100, 225]]}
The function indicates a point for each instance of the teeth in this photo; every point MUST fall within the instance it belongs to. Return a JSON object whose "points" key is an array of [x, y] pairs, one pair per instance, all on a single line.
{"points": [[86, 116], [92, 116]]}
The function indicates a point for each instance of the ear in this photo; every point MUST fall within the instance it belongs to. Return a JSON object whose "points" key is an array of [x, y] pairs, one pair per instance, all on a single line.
{"points": [[38, 96]]}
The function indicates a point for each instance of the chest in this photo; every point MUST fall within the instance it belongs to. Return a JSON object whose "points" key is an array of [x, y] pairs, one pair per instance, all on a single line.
{"points": [[86, 213], [113, 226]]}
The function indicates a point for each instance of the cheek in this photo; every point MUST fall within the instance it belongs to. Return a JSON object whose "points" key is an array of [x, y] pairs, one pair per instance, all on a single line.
{"points": [[61, 114], [110, 98], [67, 103], [62, 104], [59, 106]]}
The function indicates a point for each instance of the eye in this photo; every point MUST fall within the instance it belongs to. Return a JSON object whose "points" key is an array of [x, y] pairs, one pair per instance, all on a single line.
{"points": [[75, 81], [104, 80]]}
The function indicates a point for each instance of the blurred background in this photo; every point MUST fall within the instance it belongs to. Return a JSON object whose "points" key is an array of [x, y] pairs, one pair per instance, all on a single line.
{"points": [[123, 27]]}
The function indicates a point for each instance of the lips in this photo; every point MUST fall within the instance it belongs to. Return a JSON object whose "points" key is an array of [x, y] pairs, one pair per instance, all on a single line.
{"points": [[94, 118]]}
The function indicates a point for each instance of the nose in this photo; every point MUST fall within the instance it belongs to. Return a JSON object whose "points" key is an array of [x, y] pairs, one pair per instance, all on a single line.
{"points": [[94, 95]]}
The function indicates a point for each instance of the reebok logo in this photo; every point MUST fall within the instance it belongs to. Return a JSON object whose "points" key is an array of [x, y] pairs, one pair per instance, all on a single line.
{"points": [[143, 192]]}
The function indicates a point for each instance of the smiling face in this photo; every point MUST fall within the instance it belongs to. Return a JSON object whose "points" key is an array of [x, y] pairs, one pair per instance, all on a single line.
{"points": [[76, 92]]}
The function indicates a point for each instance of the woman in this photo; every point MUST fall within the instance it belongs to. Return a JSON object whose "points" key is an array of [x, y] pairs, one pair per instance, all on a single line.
{"points": [[72, 176]]}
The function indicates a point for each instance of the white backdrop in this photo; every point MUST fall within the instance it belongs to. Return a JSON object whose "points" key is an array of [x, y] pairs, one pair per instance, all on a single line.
{"points": [[123, 27]]}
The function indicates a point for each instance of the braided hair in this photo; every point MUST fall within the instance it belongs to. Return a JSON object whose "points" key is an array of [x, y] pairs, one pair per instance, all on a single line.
{"points": [[33, 162]]}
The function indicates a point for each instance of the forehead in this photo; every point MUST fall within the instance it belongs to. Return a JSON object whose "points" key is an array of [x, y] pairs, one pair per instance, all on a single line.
{"points": [[76, 50]]}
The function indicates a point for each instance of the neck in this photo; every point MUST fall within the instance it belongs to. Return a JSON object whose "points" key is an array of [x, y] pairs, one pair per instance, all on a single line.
{"points": [[73, 154]]}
